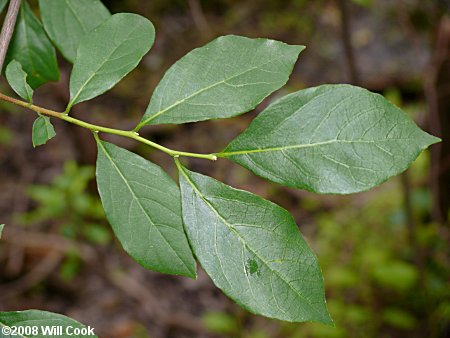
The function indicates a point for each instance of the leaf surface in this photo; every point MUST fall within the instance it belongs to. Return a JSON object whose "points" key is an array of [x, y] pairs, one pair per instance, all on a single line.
{"points": [[3, 4], [31, 47], [42, 131], [227, 77], [252, 249], [41, 320], [142, 203], [108, 53], [17, 79], [329, 139], [1, 229], [67, 21]]}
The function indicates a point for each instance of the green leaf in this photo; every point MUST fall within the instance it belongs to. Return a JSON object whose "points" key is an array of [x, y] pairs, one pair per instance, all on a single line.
{"points": [[227, 77], [399, 318], [365, 3], [31, 47], [329, 139], [17, 79], [108, 53], [68, 21], [37, 322], [142, 203], [252, 249], [42, 131], [220, 322], [1, 229], [3, 4], [396, 275]]}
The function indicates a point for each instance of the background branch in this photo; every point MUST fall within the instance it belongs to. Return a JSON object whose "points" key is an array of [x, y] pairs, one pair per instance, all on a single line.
{"points": [[353, 74], [8, 29]]}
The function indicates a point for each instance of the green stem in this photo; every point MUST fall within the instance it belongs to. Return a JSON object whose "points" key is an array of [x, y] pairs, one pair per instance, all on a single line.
{"points": [[138, 127], [95, 128], [178, 164]]}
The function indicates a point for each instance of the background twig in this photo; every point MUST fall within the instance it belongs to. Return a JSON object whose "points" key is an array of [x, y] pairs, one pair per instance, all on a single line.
{"points": [[8, 29], [199, 18], [353, 74]]}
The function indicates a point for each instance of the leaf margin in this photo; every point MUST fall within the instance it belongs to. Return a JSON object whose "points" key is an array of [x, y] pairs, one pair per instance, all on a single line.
{"points": [[77, 90], [326, 318], [42, 122], [258, 122], [192, 268], [148, 117], [19, 85]]}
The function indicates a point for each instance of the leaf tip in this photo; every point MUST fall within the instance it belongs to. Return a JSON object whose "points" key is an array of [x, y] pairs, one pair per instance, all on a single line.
{"points": [[426, 140], [192, 274], [327, 320], [320, 314], [433, 139]]}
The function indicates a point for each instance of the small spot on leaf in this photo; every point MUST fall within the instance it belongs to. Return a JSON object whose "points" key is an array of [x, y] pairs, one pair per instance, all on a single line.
{"points": [[252, 267]]}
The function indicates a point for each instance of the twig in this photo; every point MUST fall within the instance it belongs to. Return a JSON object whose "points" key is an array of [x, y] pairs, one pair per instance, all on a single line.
{"points": [[347, 43], [51, 242], [149, 303], [199, 17], [8, 29], [95, 128], [135, 289], [437, 113], [32, 278]]}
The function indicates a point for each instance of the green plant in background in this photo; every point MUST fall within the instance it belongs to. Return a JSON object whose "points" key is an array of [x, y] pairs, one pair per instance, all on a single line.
{"points": [[5, 136], [66, 203], [336, 139]]}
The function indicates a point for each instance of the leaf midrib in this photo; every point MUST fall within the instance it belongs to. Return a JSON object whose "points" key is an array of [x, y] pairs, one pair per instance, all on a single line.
{"points": [[198, 92], [95, 72], [4, 325], [27, 87], [75, 14], [232, 229], [306, 145], [25, 84], [25, 30], [35, 73], [139, 203]]}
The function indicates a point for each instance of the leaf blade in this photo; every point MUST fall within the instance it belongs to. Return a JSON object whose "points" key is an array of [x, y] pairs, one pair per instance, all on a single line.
{"points": [[41, 319], [279, 280], [329, 139], [17, 79], [259, 67], [67, 21], [42, 131], [142, 204], [108, 53], [31, 47], [3, 3]]}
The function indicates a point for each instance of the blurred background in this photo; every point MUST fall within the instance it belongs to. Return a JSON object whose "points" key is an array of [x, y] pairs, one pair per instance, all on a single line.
{"points": [[385, 253]]}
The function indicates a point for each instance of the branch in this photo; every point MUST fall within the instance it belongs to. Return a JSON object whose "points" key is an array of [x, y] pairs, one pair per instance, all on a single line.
{"points": [[198, 16], [95, 128], [347, 43], [8, 29]]}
